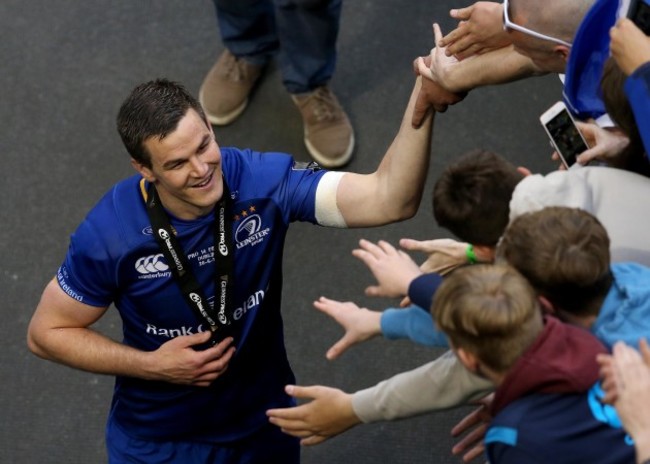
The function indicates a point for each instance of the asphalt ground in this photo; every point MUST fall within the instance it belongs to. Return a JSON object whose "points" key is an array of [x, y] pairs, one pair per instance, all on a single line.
{"points": [[67, 66]]}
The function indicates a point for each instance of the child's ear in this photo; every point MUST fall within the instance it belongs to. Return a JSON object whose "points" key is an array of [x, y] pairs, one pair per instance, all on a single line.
{"points": [[547, 306]]}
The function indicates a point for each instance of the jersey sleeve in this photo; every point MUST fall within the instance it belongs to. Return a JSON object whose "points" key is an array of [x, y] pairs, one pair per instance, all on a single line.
{"points": [[86, 274], [290, 184]]}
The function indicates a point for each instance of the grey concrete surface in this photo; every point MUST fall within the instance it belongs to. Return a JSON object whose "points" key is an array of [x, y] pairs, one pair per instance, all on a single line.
{"points": [[66, 67]]}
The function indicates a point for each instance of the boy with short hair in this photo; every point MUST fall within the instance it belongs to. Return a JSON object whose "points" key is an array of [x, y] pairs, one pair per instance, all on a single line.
{"points": [[544, 371]]}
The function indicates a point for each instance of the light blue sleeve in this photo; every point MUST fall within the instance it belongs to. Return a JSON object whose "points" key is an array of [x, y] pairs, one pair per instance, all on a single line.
{"points": [[413, 323]]}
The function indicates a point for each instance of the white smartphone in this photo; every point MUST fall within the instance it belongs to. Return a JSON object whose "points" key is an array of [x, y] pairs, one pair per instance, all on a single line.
{"points": [[563, 132]]}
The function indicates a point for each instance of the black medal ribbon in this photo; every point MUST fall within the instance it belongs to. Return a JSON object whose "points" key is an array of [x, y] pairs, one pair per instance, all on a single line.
{"points": [[220, 316]]}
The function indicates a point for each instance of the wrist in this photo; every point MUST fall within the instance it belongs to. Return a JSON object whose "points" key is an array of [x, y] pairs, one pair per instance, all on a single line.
{"points": [[470, 254]]}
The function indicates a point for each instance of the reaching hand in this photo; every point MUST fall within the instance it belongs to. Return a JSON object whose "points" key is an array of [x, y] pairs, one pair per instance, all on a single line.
{"points": [[632, 377], [360, 324], [437, 67], [445, 254], [177, 361], [393, 269], [472, 444], [608, 382], [629, 46], [434, 95], [480, 29], [328, 414]]}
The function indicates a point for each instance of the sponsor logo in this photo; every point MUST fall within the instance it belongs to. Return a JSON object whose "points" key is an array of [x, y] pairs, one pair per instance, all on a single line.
{"points": [[250, 232], [249, 303], [173, 333], [151, 264], [253, 301], [152, 267], [303, 166], [147, 231], [223, 248], [61, 276], [199, 304], [164, 235]]}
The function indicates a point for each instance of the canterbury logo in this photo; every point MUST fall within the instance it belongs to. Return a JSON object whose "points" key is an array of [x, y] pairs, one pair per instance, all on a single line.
{"points": [[151, 264]]}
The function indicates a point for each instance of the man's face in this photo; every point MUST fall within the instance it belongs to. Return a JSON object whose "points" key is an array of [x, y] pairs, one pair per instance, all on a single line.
{"points": [[186, 168], [548, 53]]}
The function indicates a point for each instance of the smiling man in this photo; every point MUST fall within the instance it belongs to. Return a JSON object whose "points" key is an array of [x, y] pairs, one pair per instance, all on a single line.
{"points": [[189, 250]]}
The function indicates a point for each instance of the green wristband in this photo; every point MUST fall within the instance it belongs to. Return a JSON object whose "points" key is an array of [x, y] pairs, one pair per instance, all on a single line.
{"points": [[469, 253]]}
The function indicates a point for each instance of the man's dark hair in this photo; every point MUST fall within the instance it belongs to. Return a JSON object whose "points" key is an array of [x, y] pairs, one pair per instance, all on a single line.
{"points": [[153, 109], [472, 196], [564, 254]]}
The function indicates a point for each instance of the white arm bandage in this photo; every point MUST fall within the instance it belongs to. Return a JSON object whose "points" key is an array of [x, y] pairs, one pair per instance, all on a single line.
{"points": [[327, 211]]}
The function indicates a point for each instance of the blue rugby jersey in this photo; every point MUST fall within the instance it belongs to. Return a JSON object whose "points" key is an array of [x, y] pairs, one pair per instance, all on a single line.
{"points": [[113, 258]]}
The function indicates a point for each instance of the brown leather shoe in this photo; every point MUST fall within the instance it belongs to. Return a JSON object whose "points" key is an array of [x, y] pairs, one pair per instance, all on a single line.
{"points": [[225, 89], [329, 136]]}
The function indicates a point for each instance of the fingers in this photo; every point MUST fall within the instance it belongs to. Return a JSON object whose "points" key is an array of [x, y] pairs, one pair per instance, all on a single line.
{"points": [[198, 338], [339, 348], [313, 440], [555, 156], [406, 301], [327, 306], [374, 291], [412, 245], [421, 110], [382, 248], [475, 452], [437, 32], [474, 438], [453, 36], [303, 392], [462, 14], [466, 422], [219, 350], [368, 252], [645, 351], [463, 47], [423, 69]]}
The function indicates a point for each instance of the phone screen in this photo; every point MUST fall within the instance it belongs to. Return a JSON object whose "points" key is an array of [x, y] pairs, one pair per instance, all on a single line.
{"points": [[641, 16], [566, 137]]}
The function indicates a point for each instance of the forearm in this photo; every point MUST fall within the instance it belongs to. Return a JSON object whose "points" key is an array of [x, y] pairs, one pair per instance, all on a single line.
{"points": [[438, 385], [88, 350], [496, 67], [412, 323], [393, 192]]}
